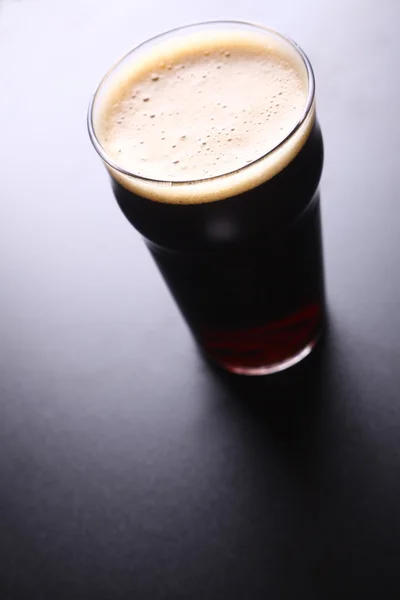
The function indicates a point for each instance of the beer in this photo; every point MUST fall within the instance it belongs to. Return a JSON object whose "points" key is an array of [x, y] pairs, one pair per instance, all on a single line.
{"points": [[215, 155]]}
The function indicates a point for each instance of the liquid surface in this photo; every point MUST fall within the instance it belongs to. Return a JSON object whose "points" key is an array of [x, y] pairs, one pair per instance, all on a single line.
{"points": [[202, 109]]}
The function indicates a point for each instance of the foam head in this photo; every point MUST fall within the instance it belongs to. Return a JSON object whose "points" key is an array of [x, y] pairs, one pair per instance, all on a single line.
{"points": [[204, 114]]}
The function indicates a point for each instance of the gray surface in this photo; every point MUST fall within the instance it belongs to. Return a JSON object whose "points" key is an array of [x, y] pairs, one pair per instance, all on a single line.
{"points": [[128, 467]]}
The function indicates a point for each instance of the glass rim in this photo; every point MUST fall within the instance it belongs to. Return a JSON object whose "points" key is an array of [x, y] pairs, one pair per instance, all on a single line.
{"points": [[151, 180]]}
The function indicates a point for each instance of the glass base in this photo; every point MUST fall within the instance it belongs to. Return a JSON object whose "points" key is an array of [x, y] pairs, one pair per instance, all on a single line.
{"points": [[271, 368]]}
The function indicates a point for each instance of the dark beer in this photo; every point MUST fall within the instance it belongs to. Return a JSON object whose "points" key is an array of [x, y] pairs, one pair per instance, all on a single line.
{"points": [[239, 245]]}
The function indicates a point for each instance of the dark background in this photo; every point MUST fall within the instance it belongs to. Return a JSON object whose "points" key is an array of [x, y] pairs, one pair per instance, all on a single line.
{"points": [[129, 468]]}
